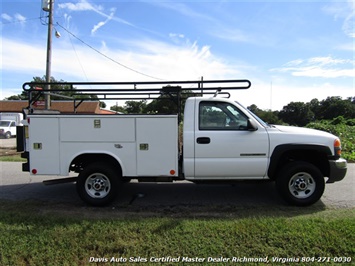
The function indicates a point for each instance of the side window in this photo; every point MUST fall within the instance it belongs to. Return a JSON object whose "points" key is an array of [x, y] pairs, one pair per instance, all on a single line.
{"points": [[221, 116], [12, 124]]}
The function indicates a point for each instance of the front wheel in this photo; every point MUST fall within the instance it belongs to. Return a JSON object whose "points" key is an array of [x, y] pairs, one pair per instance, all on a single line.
{"points": [[300, 183], [97, 184], [7, 135]]}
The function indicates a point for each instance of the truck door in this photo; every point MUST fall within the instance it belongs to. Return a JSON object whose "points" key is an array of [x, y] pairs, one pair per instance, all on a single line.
{"points": [[224, 147]]}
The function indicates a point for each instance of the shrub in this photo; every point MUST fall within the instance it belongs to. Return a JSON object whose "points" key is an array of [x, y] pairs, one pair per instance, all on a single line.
{"points": [[344, 129]]}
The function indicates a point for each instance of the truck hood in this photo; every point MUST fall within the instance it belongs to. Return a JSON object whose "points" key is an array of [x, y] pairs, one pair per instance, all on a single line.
{"points": [[297, 135], [302, 131]]}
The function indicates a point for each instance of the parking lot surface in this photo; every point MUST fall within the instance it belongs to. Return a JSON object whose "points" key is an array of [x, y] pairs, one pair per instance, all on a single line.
{"points": [[17, 185]]}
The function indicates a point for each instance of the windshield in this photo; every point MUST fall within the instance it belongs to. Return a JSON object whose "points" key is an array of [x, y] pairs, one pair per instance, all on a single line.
{"points": [[254, 115], [4, 123]]}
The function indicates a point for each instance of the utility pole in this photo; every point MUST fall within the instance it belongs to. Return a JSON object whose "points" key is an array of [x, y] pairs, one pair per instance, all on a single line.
{"points": [[49, 54]]}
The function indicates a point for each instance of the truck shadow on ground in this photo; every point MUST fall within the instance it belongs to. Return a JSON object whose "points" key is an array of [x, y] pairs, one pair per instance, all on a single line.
{"points": [[179, 200], [215, 201]]}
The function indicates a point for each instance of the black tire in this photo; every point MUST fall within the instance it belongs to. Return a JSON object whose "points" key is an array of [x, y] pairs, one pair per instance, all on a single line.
{"points": [[300, 183], [98, 184]]}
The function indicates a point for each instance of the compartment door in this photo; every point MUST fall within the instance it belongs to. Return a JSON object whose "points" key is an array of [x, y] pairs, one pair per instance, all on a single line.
{"points": [[44, 145], [157, 146]]}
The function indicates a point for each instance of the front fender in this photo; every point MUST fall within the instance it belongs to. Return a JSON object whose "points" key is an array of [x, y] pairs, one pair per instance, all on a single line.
{"points": [[303, 152]]}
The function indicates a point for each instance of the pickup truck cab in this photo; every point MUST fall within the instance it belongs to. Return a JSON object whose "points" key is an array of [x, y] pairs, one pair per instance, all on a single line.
{"points": [[222, 142]]}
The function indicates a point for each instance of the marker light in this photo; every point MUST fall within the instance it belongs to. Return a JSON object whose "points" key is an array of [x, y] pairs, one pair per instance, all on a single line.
{"points": [[337, 147]]}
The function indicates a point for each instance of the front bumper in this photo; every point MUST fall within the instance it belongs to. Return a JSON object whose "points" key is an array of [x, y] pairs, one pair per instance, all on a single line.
{"points": [[338, 170]]}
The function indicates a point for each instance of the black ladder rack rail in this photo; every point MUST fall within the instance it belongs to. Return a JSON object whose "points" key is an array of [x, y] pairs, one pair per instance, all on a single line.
{"points": [[149, 90]]}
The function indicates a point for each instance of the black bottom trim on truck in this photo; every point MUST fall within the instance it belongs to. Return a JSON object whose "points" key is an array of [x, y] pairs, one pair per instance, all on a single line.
{"points": [[338, 170], [20, 147], [60, 181], [26, 166], [20, 138]]}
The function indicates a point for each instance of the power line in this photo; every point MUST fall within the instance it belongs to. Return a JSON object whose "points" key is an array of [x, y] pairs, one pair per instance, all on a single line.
{"points": [[76, 54], [18, 21], [107, 57]]}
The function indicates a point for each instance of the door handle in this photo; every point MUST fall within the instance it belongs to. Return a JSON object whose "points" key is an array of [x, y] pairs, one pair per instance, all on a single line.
{"points": [[203, 140]]}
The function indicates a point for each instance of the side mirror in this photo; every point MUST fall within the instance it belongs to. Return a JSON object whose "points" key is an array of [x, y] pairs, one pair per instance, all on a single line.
{"points": [[252, 126]]}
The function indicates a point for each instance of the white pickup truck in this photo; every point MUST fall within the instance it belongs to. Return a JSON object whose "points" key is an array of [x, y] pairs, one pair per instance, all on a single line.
{"points": [[222, 142]]}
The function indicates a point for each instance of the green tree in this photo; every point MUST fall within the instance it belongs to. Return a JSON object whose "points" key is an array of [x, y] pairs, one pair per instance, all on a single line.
{"points": [[315, 107], [15, 97], [118, 108], [168, 103], [254, 109], [268, 116], [135, 107], [335, 106], [163, 105], [297, 113], [271, 117]]}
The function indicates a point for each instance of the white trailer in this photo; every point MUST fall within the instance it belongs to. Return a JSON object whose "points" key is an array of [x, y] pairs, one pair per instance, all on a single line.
{"points": [[17, 117]]}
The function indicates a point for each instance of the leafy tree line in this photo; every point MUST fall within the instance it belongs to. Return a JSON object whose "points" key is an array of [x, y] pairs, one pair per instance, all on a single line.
{"points": [[333, 115], [300, 114], [164, 104], [294, 113]]}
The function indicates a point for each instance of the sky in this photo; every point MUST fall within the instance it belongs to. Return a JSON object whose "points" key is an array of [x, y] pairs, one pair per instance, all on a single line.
{"points": [[290, 50]]}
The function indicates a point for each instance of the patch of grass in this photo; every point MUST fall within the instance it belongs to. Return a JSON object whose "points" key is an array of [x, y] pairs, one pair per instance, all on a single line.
{"points": [[12, 158], [31, 237], [10, 155]]}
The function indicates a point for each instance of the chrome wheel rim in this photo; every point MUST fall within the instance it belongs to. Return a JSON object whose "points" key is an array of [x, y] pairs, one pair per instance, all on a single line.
{"points": [[97, 185], [302, 185]]}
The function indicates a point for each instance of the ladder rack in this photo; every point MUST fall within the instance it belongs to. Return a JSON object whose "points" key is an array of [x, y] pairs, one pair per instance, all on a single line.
{"points": [[148, 90]]}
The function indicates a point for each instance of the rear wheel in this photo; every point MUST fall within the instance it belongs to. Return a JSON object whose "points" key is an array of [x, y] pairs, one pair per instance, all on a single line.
{"points": [[300, 183], [98, 183]]}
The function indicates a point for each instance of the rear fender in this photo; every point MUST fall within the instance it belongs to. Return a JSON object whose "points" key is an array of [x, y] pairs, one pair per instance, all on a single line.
{"points": [[82, 159]]}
